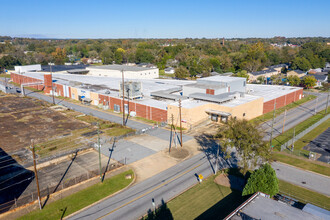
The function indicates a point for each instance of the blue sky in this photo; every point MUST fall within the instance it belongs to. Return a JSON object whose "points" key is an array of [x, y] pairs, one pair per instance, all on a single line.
{"points": [[165, 19]]}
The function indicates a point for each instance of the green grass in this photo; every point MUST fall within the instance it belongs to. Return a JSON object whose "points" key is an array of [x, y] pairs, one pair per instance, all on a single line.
{"points": [[302, 142], [286, 136], [269, 115], [118, 131], [162, 73], [304, 195], [82, 198], [205, 201], [5, 75], [302, 163]]}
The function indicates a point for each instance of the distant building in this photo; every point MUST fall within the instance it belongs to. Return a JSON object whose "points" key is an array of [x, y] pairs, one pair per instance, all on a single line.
{"points": [[28, 68], [130, 72], [298, 73], [263, 73], [169, 70]]}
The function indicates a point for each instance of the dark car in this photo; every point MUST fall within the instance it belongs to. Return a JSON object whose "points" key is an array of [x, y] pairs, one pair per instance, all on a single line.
{"points": [[18, 90]]}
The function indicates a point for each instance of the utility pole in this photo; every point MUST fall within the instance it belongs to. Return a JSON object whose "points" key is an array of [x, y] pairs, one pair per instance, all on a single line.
{"points": [[36, 172], [284, 121], [271, 132], [99, 145], [180, 122], [315, 105], [216, 159], [123, 86], [326, 108], [294, 136], [51, 73]]}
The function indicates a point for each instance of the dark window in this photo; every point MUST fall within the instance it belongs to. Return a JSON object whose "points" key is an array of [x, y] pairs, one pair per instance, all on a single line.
{"points": [[243, 114]]}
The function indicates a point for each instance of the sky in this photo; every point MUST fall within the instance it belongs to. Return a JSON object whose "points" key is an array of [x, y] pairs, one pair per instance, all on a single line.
{"points": [[164, 19]]}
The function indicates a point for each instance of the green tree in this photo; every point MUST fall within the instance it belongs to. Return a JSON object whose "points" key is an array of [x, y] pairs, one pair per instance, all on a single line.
{"points": [[243, 74], [293, 80], [181, 72], [309, 81], [301, 63], [261, 79], [8, 62], [248, 141], [262, 180]]}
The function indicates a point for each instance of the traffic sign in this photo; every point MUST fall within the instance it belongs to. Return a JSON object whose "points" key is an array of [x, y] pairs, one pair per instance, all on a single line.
{"points": [[200, 176]]}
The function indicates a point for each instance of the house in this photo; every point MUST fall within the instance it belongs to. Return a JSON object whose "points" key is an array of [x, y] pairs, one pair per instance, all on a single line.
{"points": [[169, 70], [320, 79], [298, 73], [263, 73]]}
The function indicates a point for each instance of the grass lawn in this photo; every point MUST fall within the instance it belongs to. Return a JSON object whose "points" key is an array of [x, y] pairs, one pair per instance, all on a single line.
{"points": [[302, 142], [304, 195], [118, 131], [269, 115], [205, 201], [302, 163], [5, 75], [282, 138], [81, 199]]}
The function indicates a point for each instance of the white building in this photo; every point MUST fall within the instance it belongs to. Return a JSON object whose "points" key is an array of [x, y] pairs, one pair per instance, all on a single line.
{"points": [[27, 68], [130, 72], [169, 70]]}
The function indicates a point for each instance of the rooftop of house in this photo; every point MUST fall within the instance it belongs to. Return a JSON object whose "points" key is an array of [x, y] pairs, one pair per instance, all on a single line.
{"points": [[297, 71], [120, 67], [262, 72], [265, 208]]}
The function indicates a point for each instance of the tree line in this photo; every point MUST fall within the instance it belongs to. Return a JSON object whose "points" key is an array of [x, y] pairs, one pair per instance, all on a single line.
{"points": [[190, 56]]}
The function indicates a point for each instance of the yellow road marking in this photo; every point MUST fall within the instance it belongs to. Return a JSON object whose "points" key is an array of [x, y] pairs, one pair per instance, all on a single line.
{"points": [[150, 191]]}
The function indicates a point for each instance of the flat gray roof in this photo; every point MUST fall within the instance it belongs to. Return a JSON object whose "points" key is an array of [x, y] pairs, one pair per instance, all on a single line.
{"points": [[219, 78], [265, 208], [205, 86], [270, 92], [120, 67]]}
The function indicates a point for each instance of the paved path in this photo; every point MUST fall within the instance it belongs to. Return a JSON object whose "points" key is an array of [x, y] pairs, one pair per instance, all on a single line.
{"points": [[310, 180]]}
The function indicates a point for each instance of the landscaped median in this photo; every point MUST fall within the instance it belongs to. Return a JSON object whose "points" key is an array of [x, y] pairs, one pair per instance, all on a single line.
{"points": [[83, 198]]}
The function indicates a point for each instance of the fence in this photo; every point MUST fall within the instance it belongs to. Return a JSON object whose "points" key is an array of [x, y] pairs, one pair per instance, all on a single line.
{"points": [[303, 200], [303, 133], [46, 192]]}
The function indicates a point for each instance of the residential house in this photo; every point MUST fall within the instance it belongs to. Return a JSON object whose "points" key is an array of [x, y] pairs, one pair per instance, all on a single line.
{"points": [[169, 70]]}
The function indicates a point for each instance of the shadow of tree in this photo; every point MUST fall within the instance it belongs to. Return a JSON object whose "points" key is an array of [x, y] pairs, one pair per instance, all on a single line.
{"points": [[161, 213], [224, 207]]}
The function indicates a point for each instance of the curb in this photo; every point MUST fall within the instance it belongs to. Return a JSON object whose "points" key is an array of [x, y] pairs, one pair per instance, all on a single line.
{"points": [[105, 198]]}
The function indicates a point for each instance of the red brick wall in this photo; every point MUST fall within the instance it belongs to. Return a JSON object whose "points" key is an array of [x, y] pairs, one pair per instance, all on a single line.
{"points": [[19, 79], [103, 99], [59, 89], [282, 101], [210, 91]]}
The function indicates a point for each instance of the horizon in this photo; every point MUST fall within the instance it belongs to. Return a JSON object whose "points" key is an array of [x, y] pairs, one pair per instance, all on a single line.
{"points": [[165, 20]]}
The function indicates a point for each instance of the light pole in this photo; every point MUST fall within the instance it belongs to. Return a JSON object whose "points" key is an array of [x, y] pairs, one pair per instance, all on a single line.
{"points": [[51, 73]]}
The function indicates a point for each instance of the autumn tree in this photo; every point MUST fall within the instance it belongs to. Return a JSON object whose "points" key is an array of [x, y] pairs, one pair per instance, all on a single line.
{"points": [[243, 74], [247, 139], [181, 72], [309, 81], [293, 80], [262, 180], [59, 56]]}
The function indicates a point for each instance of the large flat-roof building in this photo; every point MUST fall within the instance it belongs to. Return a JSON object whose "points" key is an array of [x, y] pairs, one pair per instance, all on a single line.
{"points": [[131, 72], [217, 98]]}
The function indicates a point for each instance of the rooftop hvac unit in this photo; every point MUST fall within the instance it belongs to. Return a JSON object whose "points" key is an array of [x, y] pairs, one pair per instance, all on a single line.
{"points": [[132, 90]]}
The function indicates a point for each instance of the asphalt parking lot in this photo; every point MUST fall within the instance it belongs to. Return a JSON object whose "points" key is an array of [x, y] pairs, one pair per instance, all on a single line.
{"points": [[321, 145]]}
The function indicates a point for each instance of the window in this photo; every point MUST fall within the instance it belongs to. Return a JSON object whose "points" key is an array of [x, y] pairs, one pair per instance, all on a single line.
{"points": [[116, 108], [243, 114], [244, 83]]}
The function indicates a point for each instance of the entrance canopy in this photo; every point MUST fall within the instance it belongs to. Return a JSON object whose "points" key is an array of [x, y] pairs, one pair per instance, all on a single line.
{"points": [[216, 112]]}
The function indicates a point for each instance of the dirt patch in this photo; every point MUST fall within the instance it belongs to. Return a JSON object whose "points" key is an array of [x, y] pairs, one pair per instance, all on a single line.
{"points": [[179, 153], [231, 181], [23, 119]]}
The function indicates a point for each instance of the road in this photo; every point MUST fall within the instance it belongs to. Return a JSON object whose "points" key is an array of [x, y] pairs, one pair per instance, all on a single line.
{"points": [[294, 116], [134, 202], [310, 180]]}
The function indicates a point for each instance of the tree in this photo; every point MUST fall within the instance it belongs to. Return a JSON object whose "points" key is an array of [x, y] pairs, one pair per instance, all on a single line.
{"points": [[8, 62], [181, 72], [261, 79], [309, 81], [293, 80], [301, 63], [243, 74], [59, 56], [248, 141], [262, 180]]}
